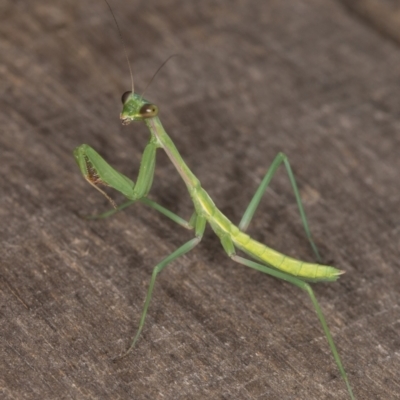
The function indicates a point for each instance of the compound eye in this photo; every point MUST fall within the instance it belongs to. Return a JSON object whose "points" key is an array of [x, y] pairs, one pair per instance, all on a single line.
{"points": [[126, 96], [148, 111]]}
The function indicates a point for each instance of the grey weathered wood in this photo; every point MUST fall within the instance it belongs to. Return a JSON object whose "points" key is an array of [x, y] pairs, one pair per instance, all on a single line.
{"points": [[382, 15], [255, 78]]}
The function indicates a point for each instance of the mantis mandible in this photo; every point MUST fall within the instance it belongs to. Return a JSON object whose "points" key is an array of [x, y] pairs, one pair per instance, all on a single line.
{"points": [[260, 257]]}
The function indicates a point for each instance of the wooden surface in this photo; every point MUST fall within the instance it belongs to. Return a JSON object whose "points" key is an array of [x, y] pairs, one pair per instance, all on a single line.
{"points": [[254, 78]]}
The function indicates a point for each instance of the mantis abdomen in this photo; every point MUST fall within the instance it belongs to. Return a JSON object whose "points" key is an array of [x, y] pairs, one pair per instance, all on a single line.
{"points": [[223, 227]]}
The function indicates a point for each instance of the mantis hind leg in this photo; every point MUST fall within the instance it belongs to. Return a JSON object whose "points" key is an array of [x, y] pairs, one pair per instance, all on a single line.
{"points": [[230, 250], [185, 248], [255, 201]]}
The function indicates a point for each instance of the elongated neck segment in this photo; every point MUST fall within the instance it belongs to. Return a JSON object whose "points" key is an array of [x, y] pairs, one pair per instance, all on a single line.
{"points": [[156, 128]]}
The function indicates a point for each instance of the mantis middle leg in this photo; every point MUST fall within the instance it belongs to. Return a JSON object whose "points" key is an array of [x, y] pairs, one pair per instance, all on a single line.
{"points": [[255, 201]]}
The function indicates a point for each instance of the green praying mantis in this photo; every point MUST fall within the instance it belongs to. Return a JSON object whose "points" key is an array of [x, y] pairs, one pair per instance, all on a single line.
{"points": [[260, 257]]}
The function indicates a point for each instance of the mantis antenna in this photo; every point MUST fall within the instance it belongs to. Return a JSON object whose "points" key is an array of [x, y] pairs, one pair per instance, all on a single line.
{"points": [[156, 73], [127, 58], [123, 44]]}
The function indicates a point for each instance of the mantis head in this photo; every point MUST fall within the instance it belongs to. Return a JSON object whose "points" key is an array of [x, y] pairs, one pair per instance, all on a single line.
{"points": [[135, 108]]}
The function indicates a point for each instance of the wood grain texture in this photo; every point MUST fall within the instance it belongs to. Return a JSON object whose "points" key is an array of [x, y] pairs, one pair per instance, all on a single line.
{"points": [[382, 15], [253, 79]]}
